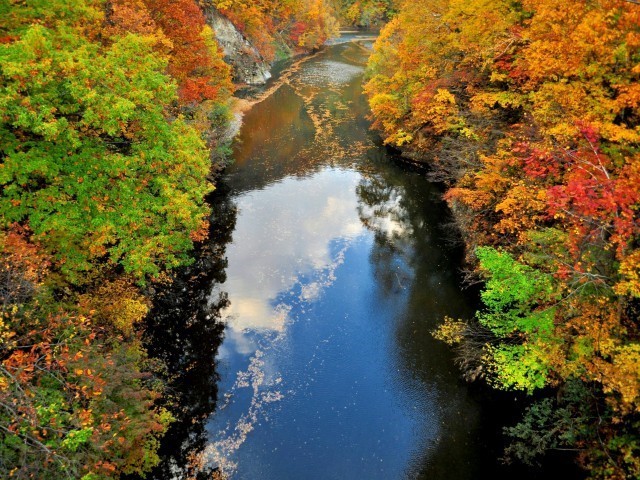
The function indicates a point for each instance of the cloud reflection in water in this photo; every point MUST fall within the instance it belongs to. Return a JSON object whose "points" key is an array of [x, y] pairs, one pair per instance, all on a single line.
{"points": [[279, 251], [279, 248]]}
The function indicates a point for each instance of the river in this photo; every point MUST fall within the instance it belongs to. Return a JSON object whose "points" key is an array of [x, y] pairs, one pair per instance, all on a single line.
{"points": [[302, 339]]}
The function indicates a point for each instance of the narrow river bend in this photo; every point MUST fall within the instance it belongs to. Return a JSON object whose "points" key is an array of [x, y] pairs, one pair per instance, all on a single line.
{"points": [[332, 267]]}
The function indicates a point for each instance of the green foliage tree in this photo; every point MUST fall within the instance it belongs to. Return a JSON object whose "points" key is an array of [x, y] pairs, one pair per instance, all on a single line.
{"points": [[101, 188], [365, 13], [516, 299], [89, 159]]}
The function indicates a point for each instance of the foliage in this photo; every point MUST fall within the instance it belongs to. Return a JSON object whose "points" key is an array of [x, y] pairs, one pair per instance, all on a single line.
{"points": [[550, 423], [116, 305], [110, 115], [89, 160], [530, 112], [365, 13], [74, 400], [303, 25], [103, 166], [195, 60], [70, 410], [513, 298]]}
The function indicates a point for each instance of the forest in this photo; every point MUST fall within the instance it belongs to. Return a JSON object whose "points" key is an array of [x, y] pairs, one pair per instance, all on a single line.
{"points": [[114, 113], [529, 112]]}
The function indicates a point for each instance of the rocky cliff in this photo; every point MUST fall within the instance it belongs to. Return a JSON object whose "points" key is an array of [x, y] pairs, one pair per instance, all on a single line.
{"points": [[247, 63]]}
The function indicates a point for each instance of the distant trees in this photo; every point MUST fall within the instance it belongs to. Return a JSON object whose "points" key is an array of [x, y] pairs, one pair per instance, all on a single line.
{"points": [[530, 111], [365, 13], [280, 24]]}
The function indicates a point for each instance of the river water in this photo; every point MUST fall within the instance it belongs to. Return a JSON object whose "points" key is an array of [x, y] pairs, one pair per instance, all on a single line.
{"points": [[333, 265], [337, 273]]}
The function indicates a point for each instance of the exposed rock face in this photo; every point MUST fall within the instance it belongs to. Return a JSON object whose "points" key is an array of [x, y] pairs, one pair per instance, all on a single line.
{"points": [[248, 65]]}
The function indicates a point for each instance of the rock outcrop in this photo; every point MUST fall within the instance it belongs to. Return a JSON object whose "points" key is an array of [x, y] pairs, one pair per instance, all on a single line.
{"points": [[248, 65]]}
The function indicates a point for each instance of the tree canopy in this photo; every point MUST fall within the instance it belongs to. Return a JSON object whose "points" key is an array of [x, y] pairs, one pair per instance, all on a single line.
{"points": [[530, 113]]}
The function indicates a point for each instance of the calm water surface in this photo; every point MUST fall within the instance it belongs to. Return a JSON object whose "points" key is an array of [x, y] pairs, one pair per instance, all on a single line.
{"points": [[298, 346], [338, 269]]}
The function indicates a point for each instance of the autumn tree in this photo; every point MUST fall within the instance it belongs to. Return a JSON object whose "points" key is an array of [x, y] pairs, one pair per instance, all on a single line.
{"points": [[103, 166], [529, 112], [274, 25], [89, 160]]}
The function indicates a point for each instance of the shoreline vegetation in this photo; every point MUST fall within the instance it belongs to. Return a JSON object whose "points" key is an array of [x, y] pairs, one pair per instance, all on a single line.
{"points": [[529, 113], [113, 117], [116, 116]]}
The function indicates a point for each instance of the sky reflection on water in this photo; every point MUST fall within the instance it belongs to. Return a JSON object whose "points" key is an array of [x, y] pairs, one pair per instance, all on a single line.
{"points": [[336, 277]]}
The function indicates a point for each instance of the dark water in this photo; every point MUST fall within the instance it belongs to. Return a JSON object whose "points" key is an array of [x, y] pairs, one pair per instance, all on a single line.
{"points": [[330, 266]]}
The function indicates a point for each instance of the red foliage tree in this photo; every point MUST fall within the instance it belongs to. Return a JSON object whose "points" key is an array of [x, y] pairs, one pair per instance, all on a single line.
{"points": [[195, 61]]}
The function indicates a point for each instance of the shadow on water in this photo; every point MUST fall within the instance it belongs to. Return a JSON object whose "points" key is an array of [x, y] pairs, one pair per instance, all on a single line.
{"points": [[415, 255], [470, 443], [184, 331]]}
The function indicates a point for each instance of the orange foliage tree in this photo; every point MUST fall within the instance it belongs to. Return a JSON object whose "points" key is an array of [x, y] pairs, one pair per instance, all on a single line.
{"points": [[530, 112], [195, 60], [274, 25]]}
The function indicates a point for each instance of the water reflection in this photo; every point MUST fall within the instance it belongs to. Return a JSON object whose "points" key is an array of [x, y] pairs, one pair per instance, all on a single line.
{"points": [[281, 245], [184, 329], [285, 261], [335, 280], [330, 73], [410, 253]]}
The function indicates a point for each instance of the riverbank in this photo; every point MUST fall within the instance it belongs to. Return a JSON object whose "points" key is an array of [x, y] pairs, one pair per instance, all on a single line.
{"points": [[540, 180], [112, 113], [257, 94], [241, 105]]}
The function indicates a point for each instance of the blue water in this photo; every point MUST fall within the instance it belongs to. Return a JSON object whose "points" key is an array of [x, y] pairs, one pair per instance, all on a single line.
{"points": [[338, 271]]}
